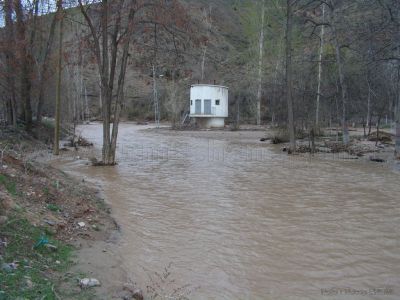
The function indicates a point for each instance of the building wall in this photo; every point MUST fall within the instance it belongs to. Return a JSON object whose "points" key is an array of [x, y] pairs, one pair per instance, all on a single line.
{"points": [[210, 92], [210, 122]]}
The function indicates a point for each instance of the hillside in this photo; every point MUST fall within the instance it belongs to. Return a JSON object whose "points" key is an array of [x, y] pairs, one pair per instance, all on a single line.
{"points": [[81, 79]]}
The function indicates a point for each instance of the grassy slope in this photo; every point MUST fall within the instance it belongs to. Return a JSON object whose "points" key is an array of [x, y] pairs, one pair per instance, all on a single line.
{"points": [[41, 203]]}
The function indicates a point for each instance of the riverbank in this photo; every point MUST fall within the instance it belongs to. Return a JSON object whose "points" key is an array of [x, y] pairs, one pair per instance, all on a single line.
{"points": [[54, 229], [327, 146]]}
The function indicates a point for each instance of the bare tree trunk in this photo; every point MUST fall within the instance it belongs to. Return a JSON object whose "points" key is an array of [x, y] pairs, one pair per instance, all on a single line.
{"points": [[397, 118], [155, 99], [106, 83], [25, 65], [58, 88], [155, 90], [369, 105], [397, 106], [260, 63], [45, 64], [101, 52], [208, 23], [289, 83], [121, 85], [10, 61], [321, 50], [378, 124], [370, 126], [238, 112], [342, 81], [203, 62]]}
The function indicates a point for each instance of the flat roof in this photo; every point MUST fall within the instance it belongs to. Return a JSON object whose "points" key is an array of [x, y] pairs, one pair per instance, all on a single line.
{"points": [[210, 85]]}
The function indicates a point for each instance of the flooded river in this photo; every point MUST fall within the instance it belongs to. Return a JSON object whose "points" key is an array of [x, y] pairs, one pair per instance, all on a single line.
{"points": [[238, 220]]}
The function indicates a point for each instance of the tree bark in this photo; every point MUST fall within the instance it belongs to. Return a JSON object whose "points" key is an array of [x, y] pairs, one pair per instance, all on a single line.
{"points": [[45, 63], [397, 118], [342, 81], [10, 62], [107, 72], [58, 88], [369, 103], [121, 85], [321, 50], [105, 82], [289, 83], [25, 65], [260, 63], [208, 24]]}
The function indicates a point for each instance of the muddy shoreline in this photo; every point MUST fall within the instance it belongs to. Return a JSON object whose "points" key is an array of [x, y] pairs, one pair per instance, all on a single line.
{"points": [[360, 149], [71, 216]]}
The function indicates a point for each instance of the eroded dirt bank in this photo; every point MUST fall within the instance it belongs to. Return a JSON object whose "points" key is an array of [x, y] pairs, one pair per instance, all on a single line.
{"points": [[54, 229]]}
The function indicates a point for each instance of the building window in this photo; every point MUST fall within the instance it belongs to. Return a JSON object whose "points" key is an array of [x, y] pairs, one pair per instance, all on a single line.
{"points": [[216, 102], [191, 102]]}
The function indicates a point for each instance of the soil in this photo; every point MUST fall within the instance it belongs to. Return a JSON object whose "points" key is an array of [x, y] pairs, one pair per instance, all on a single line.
{"points": [[70, 211]]}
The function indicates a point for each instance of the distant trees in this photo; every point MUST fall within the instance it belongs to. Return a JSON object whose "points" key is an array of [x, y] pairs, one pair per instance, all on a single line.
{"points": [[354, 42], [26, 64], [175, 97], [336, 62], [111, 33]]}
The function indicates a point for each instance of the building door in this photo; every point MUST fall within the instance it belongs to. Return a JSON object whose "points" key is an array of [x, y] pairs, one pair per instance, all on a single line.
{"points": [[197, 107], [207, 107]]}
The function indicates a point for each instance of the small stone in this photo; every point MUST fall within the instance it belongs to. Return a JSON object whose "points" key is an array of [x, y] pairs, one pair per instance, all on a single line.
{"points": [[50, 222], [138, 294], [58, 262], [3, 219], [8, 267], [89, 282], [81, 224], [51, 247], [29, 283], [129, 287], [125, 295], [6, 202]]}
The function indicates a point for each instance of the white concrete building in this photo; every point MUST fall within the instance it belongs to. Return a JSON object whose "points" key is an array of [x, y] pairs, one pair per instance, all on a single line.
{"points": [[209, 105]]}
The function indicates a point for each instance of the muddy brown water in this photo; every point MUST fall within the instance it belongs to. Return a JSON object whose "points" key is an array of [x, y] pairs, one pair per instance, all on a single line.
{"points": [[238, 220]]}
